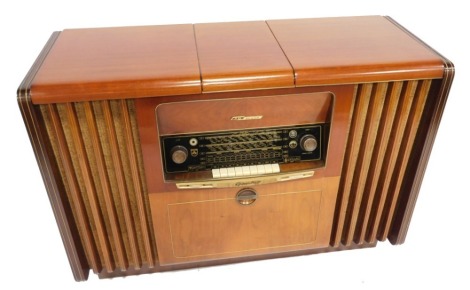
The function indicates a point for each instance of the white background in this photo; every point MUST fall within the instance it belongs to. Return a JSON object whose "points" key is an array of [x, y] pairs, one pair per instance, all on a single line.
{"points": [[437, 250]]}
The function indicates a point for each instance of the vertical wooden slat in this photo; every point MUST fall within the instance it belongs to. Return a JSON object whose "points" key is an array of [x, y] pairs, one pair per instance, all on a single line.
{"points": [[90, 188], [354, 142], [44, 153], [383, 129], [383, 136], [74, 189], [425, 136], [128, 136], [96, 149], [106, 188], [391, 154], [121, 184], [363, 164], [406, 146]]}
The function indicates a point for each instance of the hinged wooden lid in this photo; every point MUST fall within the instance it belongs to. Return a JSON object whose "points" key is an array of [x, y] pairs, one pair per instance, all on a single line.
{"points": [[352, 50], [113, 63], [240, 56], [137, 62]]}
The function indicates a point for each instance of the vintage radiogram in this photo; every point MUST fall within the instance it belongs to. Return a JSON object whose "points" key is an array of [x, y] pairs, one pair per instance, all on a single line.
{"points": [[169, 147]]}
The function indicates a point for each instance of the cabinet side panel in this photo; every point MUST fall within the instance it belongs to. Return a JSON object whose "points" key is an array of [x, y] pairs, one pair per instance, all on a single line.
{"points": [[49, 171], [420, 156], [383, 131], [98, 152]]}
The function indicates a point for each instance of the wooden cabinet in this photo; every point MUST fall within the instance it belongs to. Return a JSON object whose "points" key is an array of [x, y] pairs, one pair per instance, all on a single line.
{"points": [[97, 102]]}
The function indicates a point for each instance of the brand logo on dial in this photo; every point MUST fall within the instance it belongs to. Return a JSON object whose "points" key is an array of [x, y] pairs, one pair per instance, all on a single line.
{"points": [[245, 118]]}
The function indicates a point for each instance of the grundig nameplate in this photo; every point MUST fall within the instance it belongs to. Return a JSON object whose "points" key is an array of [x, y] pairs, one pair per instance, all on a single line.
{"points": [[177, 146], [245, 181]]}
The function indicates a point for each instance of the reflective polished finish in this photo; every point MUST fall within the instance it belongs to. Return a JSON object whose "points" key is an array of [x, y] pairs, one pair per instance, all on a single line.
{"points": [[362, 95]]}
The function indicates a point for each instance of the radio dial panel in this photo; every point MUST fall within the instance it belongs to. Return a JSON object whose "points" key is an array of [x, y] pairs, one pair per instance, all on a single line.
{"points": [[206, 151]]}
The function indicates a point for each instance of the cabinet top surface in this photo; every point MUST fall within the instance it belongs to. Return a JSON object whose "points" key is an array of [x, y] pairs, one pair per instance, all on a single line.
{"points": [[148, 61]]}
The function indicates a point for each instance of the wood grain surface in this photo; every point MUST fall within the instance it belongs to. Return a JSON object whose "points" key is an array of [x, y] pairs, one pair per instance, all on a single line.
{"points": [[115, 63], [240, 56], [380, 88], [150, 61], [149, 129], [41, 145], [201, 225], [352, 50], [216, 115]]}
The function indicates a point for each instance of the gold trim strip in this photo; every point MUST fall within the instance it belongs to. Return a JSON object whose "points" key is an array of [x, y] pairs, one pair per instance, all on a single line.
{"points": [[247, 181]]}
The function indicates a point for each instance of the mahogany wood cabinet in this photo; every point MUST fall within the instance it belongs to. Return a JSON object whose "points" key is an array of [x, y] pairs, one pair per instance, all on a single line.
{"points": [[178, 146]]}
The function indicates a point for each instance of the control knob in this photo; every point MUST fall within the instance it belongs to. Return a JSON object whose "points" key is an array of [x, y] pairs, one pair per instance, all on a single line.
{"points": [[179, 154], [308, 143]]}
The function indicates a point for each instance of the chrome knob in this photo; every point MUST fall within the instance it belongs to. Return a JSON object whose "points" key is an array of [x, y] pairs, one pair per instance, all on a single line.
{"points": [[308, 143], [246, 196], [179, 154]]}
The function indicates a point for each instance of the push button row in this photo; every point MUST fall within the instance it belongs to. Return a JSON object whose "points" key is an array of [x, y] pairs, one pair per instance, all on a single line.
{"points": [[245, 170]]}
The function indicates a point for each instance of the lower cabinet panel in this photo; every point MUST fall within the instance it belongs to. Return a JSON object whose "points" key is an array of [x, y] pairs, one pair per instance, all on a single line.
{"points": [[201, 225]]}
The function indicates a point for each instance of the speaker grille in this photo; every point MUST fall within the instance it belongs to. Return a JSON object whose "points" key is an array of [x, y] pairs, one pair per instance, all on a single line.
{"points": [[97, 149], [384, 123]]}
